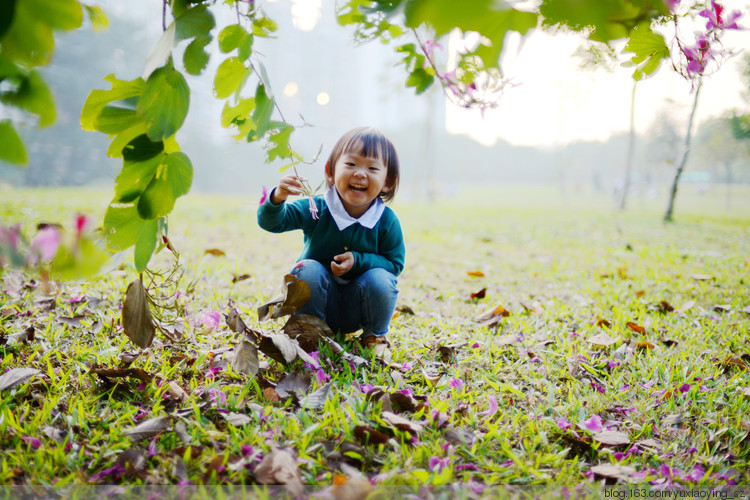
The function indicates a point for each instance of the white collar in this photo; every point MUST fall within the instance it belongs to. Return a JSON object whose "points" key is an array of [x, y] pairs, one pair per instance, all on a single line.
{"points": [[344, 220]]}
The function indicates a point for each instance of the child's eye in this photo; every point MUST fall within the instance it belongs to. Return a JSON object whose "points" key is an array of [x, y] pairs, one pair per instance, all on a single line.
{"points": [[349, 164]]}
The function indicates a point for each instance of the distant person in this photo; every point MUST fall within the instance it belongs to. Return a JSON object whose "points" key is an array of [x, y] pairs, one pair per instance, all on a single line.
{"points": [[353, 245]]}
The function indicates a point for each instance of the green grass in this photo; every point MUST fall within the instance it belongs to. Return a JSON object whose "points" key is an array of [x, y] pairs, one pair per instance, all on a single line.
{"points": [[557, 263]]}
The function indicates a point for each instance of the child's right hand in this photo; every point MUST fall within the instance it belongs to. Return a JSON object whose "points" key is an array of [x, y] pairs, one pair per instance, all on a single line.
{"points": [[288, 185]]}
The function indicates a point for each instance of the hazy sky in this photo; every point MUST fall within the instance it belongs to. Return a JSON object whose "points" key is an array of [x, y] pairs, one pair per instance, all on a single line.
{"points": [[556, 102]]}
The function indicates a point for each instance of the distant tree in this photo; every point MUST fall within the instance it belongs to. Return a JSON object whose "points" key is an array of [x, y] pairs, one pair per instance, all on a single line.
{"points": [[721, 152]]}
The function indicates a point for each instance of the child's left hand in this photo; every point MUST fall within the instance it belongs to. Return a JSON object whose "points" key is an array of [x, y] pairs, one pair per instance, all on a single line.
{"points": [[342, 263]]}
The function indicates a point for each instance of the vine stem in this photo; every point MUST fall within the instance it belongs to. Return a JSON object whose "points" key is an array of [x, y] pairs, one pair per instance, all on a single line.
{"points": [[164, 15]]}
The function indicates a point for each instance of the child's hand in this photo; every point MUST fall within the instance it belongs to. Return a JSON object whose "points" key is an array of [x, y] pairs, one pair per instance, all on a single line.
{"points": [[342, 264], [288, 185]]}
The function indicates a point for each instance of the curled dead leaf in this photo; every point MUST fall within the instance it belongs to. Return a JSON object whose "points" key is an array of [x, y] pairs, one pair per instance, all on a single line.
{"points": [[294, 294], [603, 322], [602, 339], [401, 423], [215, 252], [121, 373], [644, 345], [621, 472], [612, 438], [149, 428], [271, 395], [307, 330], [480, 294], [636, 327], [475, 274], [16, 376], [368, 435], [280, 467], [245, 358], [136, 315]]}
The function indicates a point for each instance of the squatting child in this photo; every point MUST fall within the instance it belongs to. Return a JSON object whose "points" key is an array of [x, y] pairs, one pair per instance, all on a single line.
{"points": [[353, 245]]}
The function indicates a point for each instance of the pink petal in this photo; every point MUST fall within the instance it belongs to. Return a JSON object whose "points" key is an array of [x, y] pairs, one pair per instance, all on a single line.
{"points": [[46, 242], [594, 424], [264, 195]]}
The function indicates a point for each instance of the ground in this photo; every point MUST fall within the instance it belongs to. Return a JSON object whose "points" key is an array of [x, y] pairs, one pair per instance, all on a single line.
{"points": [[541, 338]]}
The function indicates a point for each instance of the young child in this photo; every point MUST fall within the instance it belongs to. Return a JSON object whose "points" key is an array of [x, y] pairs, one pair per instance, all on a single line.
{"points": [[353, 244]]}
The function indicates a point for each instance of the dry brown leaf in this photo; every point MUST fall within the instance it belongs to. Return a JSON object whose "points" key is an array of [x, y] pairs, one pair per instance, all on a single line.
{"points": [[621, 472], [535, 309], [644, 345], [149, 428], [686, 306], [280, 467], [746, 392], [401, 423], [664, 307], [307, 330], [271, 395], [121, 373], [480, 294], [242, 277], [612, 438], [215, 252], [176, 391], [603, 322], [245, 358], [475, 274], [16, 376], [294, 294], [722, 308], [367, 435], [745, 310], [136, 315], [238, 419], [602, 339], [636, 327]]}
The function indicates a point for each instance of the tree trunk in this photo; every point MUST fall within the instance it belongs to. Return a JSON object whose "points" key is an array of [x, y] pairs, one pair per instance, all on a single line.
{"points": [[728, 167], [631, 147], [683, 160]]}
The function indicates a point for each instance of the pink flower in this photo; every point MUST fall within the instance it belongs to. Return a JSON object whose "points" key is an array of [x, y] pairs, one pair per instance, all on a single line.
{"points": [[264, 195], [46, 242], [313, 208], [210, 319], [716, 19], [321, 376], [563, 423], [437, 464], [82, 223], [457, 384], [493, 407], [34, 442], [594, 424]]}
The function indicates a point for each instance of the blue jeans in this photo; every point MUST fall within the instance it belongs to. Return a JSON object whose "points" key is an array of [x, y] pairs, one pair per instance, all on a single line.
{"points": [[365, 302]]}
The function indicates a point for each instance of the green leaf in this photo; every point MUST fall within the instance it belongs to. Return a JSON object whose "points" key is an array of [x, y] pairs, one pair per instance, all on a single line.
{"points": [[229, 75], [281, 147], [195, 22], [488, 17], [7, 10], [142, 148], [122, 139], [98, 99], [164, 102], [123, 227], [59, 14], [33, 95], [195, 57], [264, 26], [649, 50], [234, 115], [11, 146], [99, 21], [263, 110], [146, 244], [173, 179], [135, 178], [233, 37], [420, 79], [114, 119]]}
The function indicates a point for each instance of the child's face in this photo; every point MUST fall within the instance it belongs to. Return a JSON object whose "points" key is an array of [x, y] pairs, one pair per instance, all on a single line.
{"points": [[359, 180]]}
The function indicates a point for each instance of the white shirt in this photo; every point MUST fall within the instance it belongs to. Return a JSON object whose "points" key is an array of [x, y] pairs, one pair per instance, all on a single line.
{"points": [[344, 220]]}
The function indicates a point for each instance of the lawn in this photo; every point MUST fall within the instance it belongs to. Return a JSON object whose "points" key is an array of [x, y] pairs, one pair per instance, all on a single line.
{"points": [[541, 338]]}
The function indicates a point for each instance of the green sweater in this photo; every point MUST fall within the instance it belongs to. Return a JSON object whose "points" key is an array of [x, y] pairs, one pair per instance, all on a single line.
{"points": [[379, 247]]}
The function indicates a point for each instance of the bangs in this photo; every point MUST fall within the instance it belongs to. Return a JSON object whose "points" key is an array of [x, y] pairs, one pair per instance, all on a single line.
{"points": [[370, 143]]}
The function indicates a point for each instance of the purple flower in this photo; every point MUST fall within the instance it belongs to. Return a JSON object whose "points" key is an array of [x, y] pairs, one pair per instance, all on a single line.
{"points": [[440, 418], [406, 366], [467, 467], [563, 424], [46, 242], [212, 371], [34, 442], [210, 319], [457, 384], [716, 19], [321, 376], [152, 451], [246, 450], [116, 471], [264, 195], [437, 464], [493, 407], [313, 208], [217, 396], [684, 388], [593, 424]]}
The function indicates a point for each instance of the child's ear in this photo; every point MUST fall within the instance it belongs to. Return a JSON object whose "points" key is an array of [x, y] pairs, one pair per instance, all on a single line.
{"points": [[329, 177]]}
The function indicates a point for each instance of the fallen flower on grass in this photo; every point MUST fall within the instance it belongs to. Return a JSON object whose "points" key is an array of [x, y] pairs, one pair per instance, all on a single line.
{"points": [[493, 407], [593, 424], [563, 423], [437, 464]]}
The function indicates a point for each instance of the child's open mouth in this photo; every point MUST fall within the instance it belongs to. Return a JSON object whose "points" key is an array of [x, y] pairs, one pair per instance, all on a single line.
{"points": [[357, 187]]}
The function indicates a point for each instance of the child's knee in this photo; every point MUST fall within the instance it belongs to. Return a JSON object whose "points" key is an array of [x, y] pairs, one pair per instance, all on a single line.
{"points": [[380, 281], [311, 272]]}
